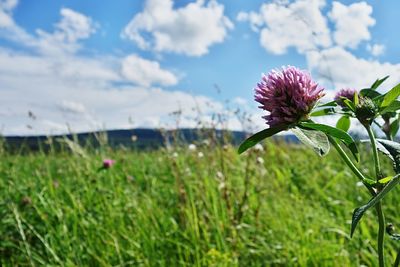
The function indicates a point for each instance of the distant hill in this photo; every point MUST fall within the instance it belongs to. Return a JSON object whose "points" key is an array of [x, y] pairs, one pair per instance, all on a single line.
{"points": [[132, 138]]}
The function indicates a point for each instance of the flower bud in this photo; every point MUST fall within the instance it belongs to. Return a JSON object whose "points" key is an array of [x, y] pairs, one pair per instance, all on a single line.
{"points": [[366, 110]]}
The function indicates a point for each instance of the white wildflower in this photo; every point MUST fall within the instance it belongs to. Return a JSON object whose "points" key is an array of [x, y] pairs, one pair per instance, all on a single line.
{"points": [[192, 147], [206, 142], [221, 186], [259, 148], [220, 175]]}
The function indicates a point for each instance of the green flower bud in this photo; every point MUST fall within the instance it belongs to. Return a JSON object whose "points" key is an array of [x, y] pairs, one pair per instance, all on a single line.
{"points": [[366, 110]]}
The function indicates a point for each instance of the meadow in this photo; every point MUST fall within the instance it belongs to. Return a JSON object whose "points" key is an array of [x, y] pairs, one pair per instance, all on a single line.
{"points": [[186, 206]]}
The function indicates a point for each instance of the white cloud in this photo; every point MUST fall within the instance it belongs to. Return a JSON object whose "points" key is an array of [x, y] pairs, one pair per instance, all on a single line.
{"points": [[376, 49], [343, 69], [72, 28], [67, 94], [8, 4], [256, 20], [9, 30], [66, 91], [351, 23], [299, 24], [72, 107], [146, 72], [69, 31], [302, 24], [6, 8], [240, 101], [188, 30]]}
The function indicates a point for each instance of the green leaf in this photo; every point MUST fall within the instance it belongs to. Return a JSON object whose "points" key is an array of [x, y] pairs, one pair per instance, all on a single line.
{"points": [[385, 180], [355, 100], [359, 212], [390, 96], [394, 127], [338, 133], [369, 181], [369, 93], [332, 131], [343, 123], [349, 104], [317, 140], [392, 150], [378, 82], [329, 104], [394, 106], [323, 112], [254, 139]]}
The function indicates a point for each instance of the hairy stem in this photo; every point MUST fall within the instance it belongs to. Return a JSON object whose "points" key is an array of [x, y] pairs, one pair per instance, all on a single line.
{"points": [[374, 152], [349, 163], [346, 158], [378, 207]]}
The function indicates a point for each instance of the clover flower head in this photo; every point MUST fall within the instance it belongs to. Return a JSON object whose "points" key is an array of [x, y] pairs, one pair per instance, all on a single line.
{"points": [[347, 93], [288, 95], [107, 163]]}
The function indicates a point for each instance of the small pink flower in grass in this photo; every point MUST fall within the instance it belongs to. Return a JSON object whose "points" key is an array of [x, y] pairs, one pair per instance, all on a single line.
{"points": [[345, 93], [107, 163], [288, 95]]}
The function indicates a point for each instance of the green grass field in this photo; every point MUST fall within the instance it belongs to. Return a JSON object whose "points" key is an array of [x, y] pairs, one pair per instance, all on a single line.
{"points": [[176, 208]]}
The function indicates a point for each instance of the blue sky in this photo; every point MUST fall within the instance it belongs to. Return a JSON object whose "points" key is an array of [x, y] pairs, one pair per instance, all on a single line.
{"points": [[88, 65]]}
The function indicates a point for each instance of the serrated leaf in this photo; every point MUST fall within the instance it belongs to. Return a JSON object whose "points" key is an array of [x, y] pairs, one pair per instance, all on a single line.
{"points": [[337, 133], [359, 212], [390, 96], [378, 82], [317, 140], [256, 138], [343, 123], [392, 150]]}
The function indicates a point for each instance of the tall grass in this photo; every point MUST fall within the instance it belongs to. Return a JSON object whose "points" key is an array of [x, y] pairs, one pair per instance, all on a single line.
{"points": [[177, 208]]}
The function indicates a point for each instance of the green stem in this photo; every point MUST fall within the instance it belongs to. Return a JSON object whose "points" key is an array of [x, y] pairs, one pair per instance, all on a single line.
{"points": [[346, 158], [378, 207], [374, 151], [381, 233], [349, 163]]}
